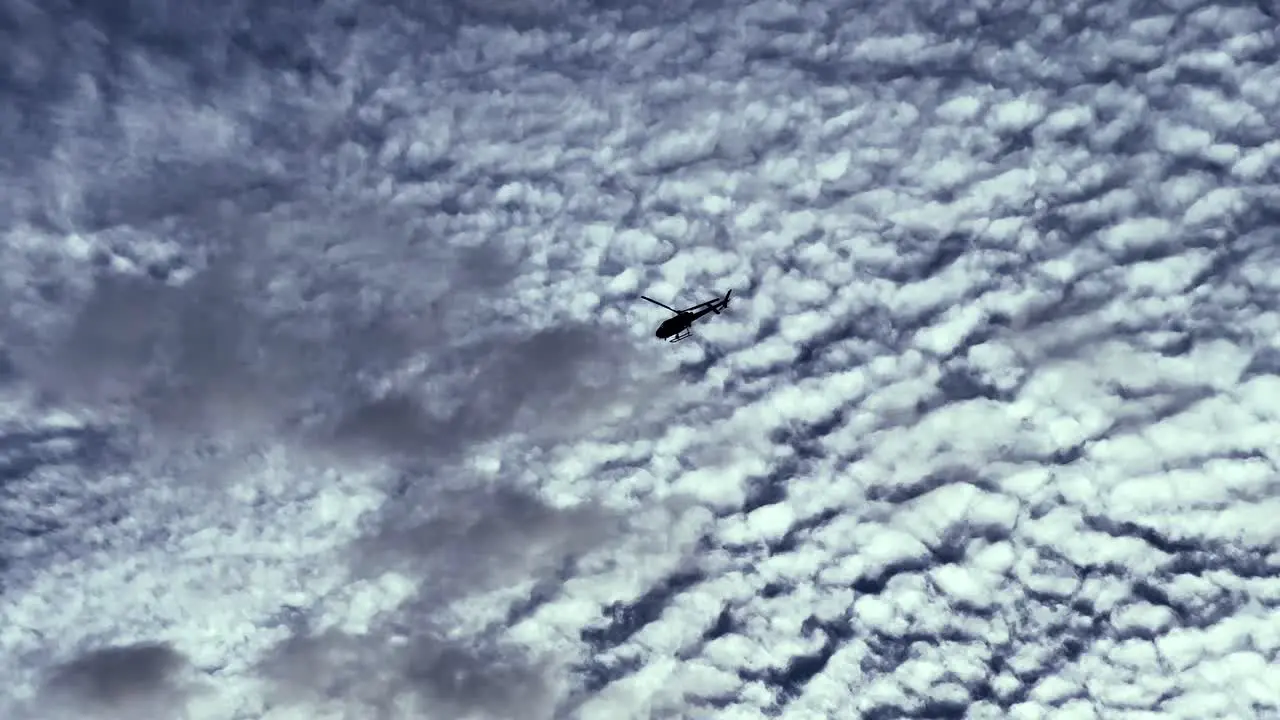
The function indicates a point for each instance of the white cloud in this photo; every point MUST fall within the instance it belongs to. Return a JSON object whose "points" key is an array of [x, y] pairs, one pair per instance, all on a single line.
{"points": [[986, 431]]}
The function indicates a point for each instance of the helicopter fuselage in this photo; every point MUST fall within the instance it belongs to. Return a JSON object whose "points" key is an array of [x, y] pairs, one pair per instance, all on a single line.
{"points": [[678, 326], [673, 326]]}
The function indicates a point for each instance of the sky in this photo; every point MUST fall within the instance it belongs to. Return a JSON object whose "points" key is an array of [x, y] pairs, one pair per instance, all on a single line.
{"points": [[326, 391]]}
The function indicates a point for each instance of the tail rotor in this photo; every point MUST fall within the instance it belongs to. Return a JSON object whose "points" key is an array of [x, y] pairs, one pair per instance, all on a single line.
{"points": [[724, 303]]}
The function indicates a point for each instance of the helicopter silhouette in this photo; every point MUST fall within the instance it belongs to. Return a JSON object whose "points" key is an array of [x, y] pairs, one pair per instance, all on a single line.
{"points": [[675, 329]]}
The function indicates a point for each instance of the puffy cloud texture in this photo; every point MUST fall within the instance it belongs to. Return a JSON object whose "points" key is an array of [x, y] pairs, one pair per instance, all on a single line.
{"points": [[325, 391]]}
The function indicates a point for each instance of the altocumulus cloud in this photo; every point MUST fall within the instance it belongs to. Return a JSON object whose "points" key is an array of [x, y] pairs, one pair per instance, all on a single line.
{"points": [[325, 393]]}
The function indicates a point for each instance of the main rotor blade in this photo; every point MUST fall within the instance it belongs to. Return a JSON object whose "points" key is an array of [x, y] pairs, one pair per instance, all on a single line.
{"points": [[655, 302], [699, 306]]}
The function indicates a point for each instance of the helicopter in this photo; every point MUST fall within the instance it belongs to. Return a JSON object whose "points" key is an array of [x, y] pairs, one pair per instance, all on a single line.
{"points": [[675, 329]]}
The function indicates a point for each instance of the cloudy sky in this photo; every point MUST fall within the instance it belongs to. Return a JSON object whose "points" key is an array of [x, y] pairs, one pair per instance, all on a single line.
{"points": [[326, 393]]}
